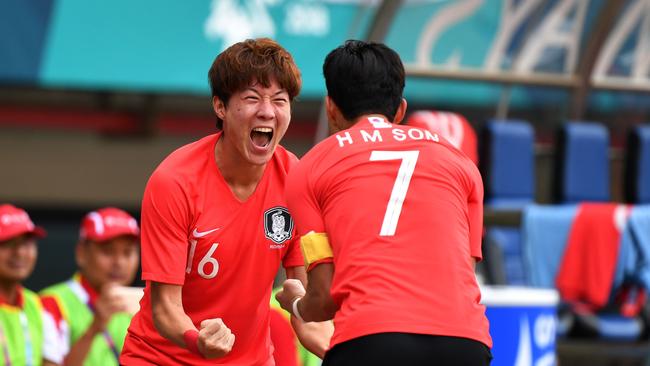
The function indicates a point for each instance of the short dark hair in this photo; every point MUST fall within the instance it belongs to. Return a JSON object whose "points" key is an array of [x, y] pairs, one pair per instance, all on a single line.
{"points": [[253, 60], [364, 78]]}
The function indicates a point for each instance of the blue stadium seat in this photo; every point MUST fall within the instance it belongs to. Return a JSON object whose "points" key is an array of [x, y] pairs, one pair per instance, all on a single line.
{"points": [[545, 232], [507, 166], [582, 163], [507, 163], [637, 165], [509, 267]]}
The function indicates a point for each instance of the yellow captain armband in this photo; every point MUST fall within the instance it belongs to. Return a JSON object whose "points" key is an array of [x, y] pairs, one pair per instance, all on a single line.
{"points": [[315, 247]]}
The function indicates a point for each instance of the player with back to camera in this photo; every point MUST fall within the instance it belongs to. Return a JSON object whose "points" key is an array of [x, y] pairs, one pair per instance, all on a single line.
{"points": [[390, 219]]}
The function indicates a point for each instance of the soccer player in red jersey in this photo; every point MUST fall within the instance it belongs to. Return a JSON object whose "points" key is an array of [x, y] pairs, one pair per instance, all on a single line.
{"points": [[390, 219], [215, 226]]}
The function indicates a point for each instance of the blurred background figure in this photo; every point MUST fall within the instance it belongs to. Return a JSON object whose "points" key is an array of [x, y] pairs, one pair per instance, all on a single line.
{"points": [[21, 323], [451, 126], [287, 350], [88, 315]]}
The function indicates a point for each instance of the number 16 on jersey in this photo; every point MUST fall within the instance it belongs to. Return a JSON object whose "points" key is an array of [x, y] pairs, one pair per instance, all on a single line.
{"points": [[207, 259]]}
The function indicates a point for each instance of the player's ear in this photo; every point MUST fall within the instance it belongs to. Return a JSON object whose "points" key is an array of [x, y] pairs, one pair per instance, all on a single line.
{"points": [[333, 115], [401, 111], [219, 107], [331, 109]]}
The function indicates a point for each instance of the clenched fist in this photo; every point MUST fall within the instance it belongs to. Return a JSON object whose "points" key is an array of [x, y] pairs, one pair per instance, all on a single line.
{"points": [[215, 338], [291, 289]]}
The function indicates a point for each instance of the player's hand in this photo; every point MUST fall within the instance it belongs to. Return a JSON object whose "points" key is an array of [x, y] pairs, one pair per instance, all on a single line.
{"points": [[108, 303], [215, 338], [291, 289]]}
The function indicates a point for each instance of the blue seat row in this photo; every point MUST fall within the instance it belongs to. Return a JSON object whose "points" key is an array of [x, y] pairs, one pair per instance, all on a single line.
{"points": [[507, 161], [582, 165], [637, 165]]}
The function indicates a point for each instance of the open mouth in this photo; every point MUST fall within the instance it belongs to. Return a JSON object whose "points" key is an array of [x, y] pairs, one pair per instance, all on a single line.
{"points": [[261, 136]]}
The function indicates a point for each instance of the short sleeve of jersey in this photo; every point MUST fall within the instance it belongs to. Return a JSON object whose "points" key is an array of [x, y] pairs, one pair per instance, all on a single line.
{"points": [[165, 222], [475, 211], [293, 256], [302, 201]]}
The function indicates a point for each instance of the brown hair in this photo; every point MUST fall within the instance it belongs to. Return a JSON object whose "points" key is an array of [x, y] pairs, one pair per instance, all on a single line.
{"points": [[253, 60]]}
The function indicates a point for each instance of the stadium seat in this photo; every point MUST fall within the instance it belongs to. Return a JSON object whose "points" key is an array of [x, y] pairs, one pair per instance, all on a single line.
{"points": [[507, 163], [637, 165], [545, 232], [582, 163], [635, 243], [507, 166]]}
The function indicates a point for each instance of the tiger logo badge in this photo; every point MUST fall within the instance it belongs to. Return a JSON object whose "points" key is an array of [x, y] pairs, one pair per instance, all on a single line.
{"points": [[278, 224]]}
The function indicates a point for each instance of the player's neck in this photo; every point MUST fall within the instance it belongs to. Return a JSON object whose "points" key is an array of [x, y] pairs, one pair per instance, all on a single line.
{"points": [[367, 116], [344, 124], [241, 176]]}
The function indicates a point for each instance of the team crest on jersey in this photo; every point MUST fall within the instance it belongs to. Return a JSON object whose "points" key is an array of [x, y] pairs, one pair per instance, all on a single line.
{"points": [[278, 224]]}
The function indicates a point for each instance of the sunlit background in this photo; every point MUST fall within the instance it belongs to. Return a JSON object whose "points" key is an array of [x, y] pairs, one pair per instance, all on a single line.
{"points": [[94, 94]]}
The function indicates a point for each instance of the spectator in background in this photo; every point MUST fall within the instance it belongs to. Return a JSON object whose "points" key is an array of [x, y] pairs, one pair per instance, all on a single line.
{"points": [[215, 227], [390, 220], [88, 315], [287, 350], [451, 126], [21, 322]]}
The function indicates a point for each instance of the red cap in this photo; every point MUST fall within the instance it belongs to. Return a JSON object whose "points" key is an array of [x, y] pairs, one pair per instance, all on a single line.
{"points": [[108, 223], [15, 221]]}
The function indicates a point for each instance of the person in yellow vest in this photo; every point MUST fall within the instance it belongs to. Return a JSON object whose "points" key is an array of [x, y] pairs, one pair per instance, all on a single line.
{"points": [[21, 322], [86, 317]]}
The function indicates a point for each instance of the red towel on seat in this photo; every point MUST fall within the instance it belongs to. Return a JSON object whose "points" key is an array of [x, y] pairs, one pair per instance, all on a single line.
{"points": [[587, 269]]}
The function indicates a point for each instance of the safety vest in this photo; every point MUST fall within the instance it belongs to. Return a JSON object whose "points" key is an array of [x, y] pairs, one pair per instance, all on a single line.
{"points": [[21, 331], [76, 310]]}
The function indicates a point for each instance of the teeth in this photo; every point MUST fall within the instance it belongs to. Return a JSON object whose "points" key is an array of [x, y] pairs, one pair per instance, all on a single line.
{"points": [[263, 129]]}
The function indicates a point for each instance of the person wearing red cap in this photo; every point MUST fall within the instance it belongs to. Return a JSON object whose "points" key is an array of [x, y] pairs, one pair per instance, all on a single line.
{"points": [[86, 317], [21, 322]]}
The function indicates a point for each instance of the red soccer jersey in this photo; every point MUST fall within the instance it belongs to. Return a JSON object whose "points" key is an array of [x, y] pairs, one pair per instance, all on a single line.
{"points": [[224, 252], [403, 212]]}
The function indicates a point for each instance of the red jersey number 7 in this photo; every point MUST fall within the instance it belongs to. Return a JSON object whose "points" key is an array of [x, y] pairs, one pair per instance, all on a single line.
{"points": [[398, 194]]}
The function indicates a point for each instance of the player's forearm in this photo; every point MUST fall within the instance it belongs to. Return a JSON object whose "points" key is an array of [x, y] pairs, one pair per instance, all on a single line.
{"points": [[297, 273], [171, 321], [316, 308], [168, 314], [317, 304], [314, 336]]}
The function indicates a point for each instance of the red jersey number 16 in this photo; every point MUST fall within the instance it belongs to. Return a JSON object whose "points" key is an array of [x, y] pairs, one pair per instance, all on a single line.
{"points": [[207, 259]]}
